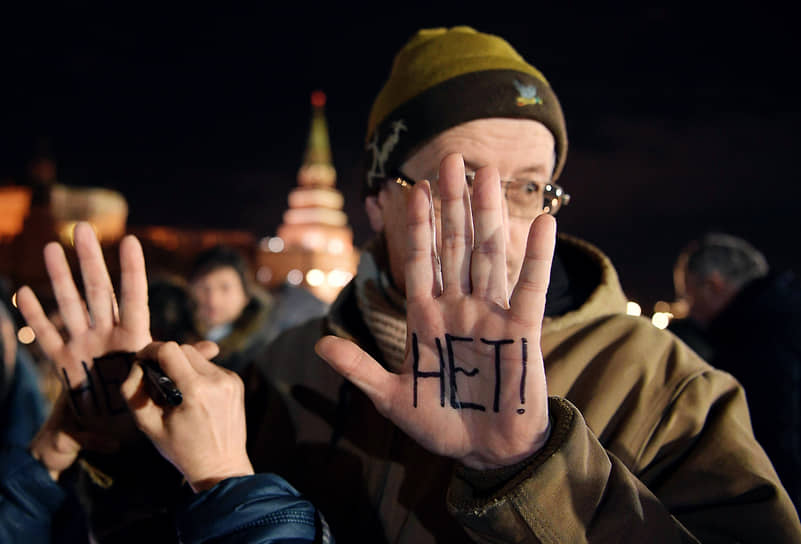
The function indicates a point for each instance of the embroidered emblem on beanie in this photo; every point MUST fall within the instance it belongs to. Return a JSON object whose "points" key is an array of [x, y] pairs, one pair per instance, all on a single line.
{"points": [[527, 94]]}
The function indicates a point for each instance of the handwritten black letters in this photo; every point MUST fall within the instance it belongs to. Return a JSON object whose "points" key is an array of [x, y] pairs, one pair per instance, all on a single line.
{"points": [[449, 370], [99, 392]]}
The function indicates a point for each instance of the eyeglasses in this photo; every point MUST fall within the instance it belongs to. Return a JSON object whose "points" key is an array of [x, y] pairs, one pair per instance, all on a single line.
{"points": [[525, 198]]}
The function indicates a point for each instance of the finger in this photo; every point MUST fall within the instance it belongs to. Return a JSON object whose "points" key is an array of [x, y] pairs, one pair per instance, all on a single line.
{"points": [[134, 391], [70, 304], [207, 349], [171, 360], [46, 333], [436, 263], [528, 297], [96, 281], [200, 363], [457, 225], [175, 364], [148, 415], [134, 311], [488, 264], [418, 267], [150, 351], [358, 367]]}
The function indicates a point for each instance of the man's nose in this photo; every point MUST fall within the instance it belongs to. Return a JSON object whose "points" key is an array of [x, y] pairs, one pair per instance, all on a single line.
{"points": [[214, 298]]}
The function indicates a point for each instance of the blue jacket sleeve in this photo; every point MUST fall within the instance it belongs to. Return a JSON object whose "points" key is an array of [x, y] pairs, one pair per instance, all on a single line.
{"points": [[24, 409], [29, 498], [262, 508]]}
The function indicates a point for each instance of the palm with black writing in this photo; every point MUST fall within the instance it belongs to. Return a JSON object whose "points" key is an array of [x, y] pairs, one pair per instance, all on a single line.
{"points": [[95, 326], [473, 382]]}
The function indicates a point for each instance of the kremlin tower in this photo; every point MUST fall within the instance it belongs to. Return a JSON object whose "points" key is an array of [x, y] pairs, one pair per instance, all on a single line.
{"points": [[313, 247]]}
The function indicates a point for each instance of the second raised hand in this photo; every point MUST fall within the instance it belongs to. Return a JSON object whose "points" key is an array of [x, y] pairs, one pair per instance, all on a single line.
{"points": [[96, 324], [473, 383]]}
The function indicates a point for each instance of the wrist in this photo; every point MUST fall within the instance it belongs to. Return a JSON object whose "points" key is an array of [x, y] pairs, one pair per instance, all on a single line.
{"points": [[498, 462], [209, 478]]}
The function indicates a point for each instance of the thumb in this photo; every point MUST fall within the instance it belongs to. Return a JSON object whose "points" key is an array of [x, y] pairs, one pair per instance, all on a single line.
{"points": [[356, 366], [147, 414]]}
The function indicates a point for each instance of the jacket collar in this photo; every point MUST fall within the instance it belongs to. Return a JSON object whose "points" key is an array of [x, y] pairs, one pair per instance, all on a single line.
{"points": [[253, 318], [594, 280]]}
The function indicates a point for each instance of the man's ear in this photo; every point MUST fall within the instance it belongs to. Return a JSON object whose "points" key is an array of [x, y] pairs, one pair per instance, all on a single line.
{"points": [[375, 212]]}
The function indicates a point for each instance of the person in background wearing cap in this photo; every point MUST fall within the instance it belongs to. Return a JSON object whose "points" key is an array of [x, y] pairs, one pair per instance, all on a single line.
{"points": [[479, 379]]}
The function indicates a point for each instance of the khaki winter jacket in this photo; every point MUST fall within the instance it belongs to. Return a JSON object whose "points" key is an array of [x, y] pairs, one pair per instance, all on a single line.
{"points": [[648, 442]]}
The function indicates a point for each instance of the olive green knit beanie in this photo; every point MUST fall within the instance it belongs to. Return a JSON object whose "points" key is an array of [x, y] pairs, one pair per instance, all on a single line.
{"points": [[444, 77]]}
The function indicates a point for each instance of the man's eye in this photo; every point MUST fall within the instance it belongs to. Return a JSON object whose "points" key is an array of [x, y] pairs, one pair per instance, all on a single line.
{"points": [[530, 187]]}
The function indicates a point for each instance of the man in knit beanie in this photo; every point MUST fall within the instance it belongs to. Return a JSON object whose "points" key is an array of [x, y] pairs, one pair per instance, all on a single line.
{"points": [[456, 408], [441, 79], [479, 378]]}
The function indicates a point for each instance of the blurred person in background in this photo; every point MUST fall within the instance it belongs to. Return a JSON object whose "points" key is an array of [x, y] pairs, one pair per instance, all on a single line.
{"points": [[235, 314], [172, 314], [228, 311], [748, 323]]}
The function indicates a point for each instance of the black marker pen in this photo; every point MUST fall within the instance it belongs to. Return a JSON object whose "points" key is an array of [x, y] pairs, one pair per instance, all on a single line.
{"points": [[162, 384]]}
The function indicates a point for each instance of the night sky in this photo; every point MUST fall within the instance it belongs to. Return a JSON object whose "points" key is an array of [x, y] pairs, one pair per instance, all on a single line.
{"points": [[679, 120]]}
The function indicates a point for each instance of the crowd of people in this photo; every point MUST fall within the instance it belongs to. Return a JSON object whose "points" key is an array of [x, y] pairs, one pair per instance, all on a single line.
{"points": [[478, 379]]}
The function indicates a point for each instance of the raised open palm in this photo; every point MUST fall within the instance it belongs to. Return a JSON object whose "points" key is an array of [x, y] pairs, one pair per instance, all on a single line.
{"points": [[473, 382], [95, 327]]}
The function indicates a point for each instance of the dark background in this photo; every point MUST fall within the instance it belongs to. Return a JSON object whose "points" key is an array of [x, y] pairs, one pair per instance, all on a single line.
{"points": [[680, 120]]}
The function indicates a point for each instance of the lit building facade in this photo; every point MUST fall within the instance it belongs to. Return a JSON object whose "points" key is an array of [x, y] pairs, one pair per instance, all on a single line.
{"points": [[313, 247], [44, 210]]}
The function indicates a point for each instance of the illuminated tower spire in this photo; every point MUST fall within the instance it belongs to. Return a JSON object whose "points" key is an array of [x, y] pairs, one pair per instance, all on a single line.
{"points": [[314, 244], [317, 168]]}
